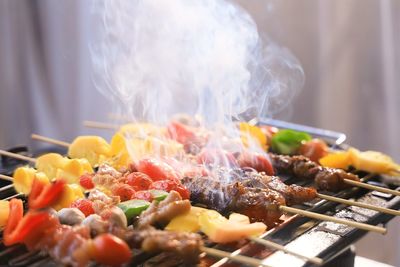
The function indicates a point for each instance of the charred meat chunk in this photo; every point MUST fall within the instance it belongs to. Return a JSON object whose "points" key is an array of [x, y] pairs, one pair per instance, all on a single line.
{"points": [[259, 204], [160, 213], [293, 194], [299, 166], [185, 245]]}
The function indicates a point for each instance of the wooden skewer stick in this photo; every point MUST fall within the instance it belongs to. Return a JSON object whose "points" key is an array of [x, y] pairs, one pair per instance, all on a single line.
{"points": [[396, 171], [100, 125], [49, 140], [372, 187], [277, 246], [238, 258], [16, 156], [359, 204], [5, 177], [324, 217]]}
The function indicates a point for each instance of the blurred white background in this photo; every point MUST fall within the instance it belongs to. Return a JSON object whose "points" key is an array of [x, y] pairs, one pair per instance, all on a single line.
{"points": [[349, 50]]}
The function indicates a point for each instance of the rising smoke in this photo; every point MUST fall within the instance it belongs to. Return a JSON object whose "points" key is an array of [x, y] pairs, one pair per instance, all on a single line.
{"points": [[204, 57]]}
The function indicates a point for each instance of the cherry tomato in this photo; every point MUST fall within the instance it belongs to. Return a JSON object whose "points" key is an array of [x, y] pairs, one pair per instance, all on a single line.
{"points": [[259, 162], [139, 181], [124, 191], [144, 194], [168, 185], [86, 181], [218, 156], [314, 149], [84, 205], [110, 250], [157, 169]]}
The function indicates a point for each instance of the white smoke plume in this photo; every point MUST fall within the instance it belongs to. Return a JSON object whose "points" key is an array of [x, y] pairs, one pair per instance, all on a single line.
{"points": [[157, 58]]}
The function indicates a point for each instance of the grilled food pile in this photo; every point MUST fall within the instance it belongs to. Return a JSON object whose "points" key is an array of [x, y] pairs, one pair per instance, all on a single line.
{"points": [[143, 190]]}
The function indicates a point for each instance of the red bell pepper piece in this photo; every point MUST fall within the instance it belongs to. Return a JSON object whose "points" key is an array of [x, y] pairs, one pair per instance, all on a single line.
{"points": [[259, 162], [180, 132], [44, 195], [25, 229]]}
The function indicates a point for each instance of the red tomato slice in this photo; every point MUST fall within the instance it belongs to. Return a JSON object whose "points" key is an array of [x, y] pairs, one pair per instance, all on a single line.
{"points": [[84, 205], [110, 250], [86, 181], [314, 149], [139, 181], [157, 169], [124, 191]]}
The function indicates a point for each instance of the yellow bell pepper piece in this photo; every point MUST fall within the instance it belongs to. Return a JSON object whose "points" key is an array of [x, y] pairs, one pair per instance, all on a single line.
{"points": [[221, 230], [188, 222], [23, 178], [339, 160], [252, 135], [4, 212], [119, 152], [90, 148], [50, 163], [71, 193], [139, 148], [73, 169], [373, 161]]}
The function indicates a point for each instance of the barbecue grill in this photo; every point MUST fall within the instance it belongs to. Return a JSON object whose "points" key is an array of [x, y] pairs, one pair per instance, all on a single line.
{"points": [[329, 241]]}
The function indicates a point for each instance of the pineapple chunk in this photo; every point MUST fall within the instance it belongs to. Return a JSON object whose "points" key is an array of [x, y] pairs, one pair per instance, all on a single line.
{"points": [[188, 222], [23, 179], [71, 193], [372, 161], [73, 169], [50, 163], [221, 230], [90, 148]]}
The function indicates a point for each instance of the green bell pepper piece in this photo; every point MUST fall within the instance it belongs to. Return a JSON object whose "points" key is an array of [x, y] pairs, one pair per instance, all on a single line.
{"points": [[158, 195], [288, 141], [133, 207]]}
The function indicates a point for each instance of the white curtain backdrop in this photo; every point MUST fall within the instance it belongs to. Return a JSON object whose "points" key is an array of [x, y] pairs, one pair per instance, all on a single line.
{"points": [[349, 49]]}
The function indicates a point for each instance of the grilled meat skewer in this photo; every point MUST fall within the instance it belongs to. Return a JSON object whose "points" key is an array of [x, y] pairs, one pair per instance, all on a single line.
{"points": [[299, 166], [293, 194], [259, 204]]}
